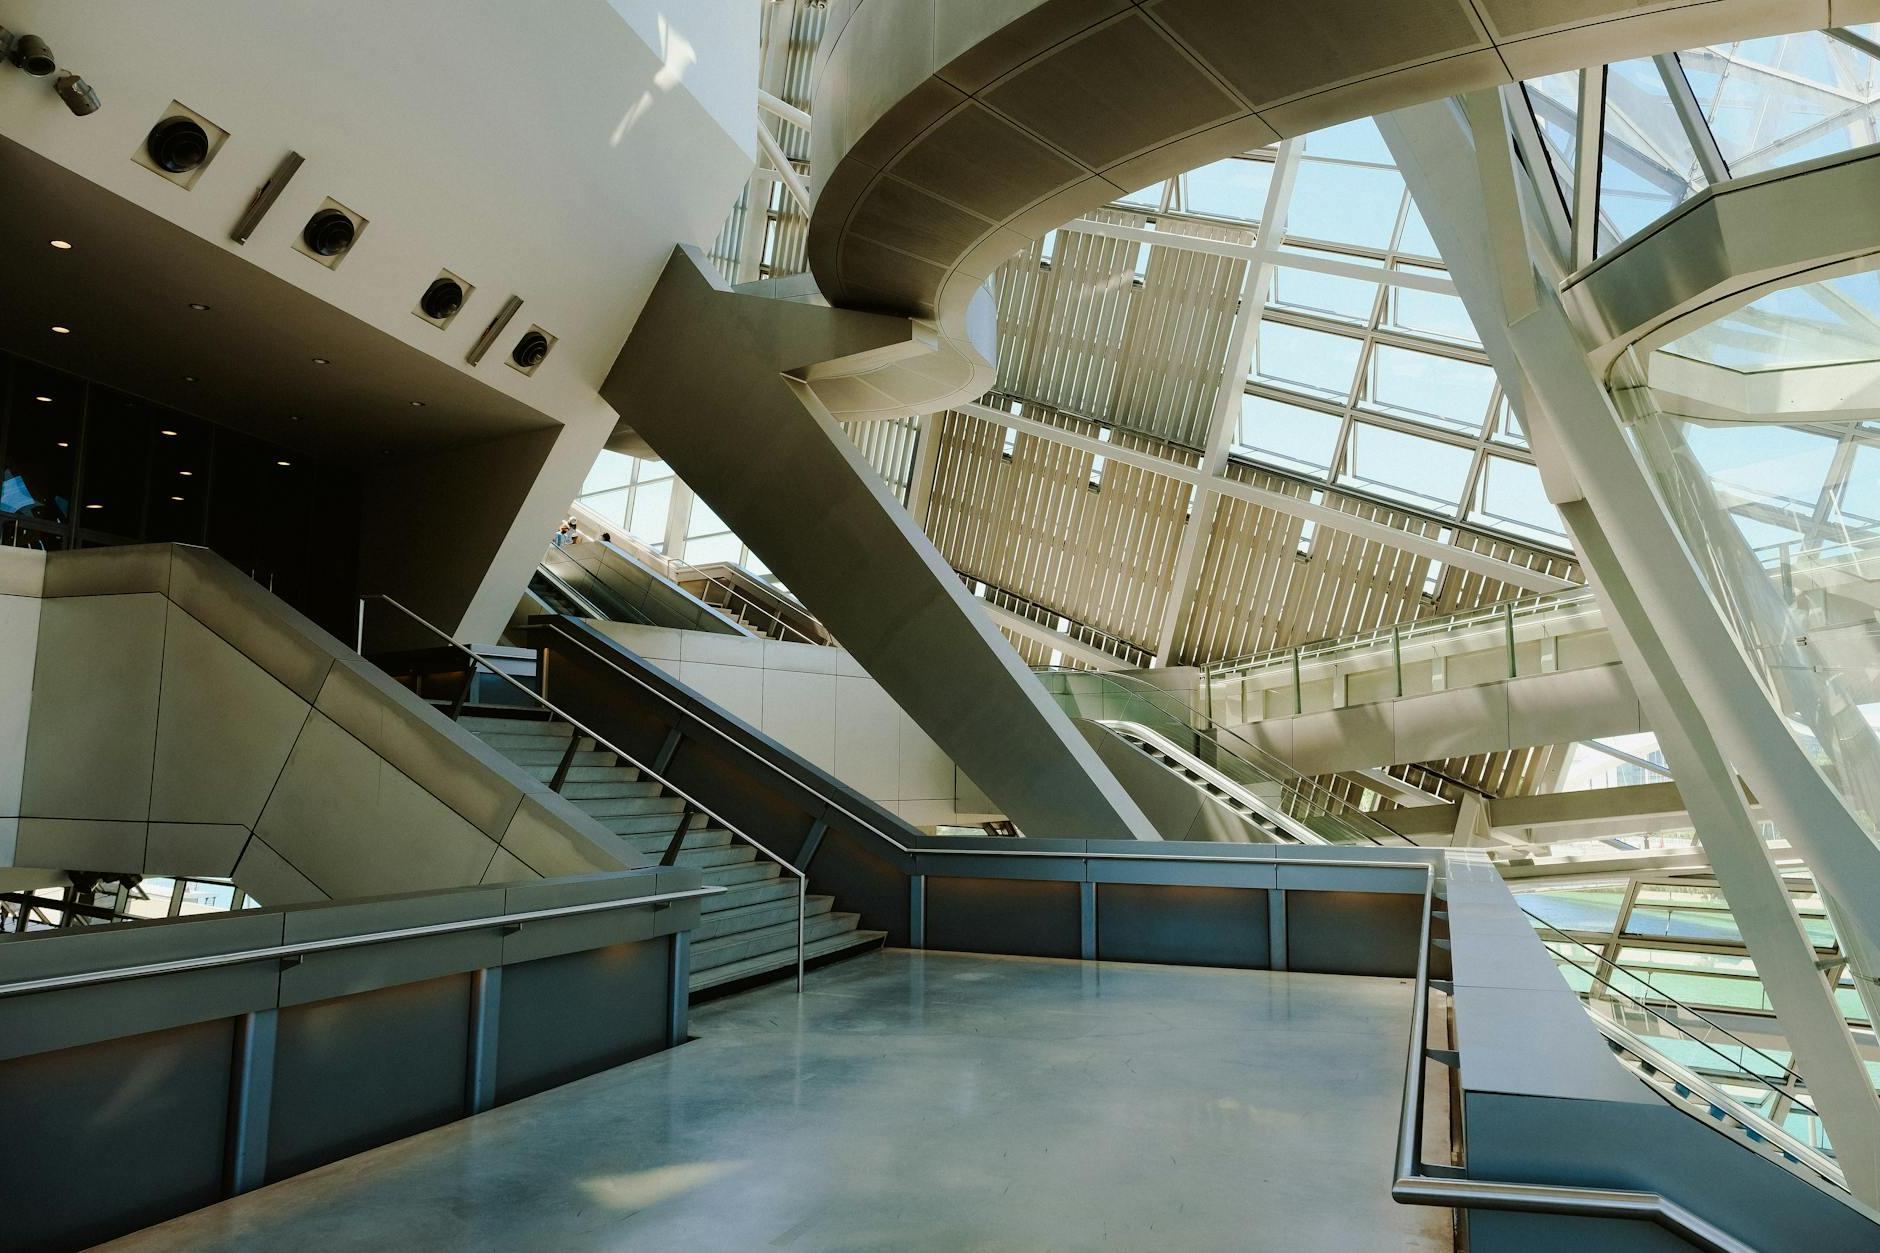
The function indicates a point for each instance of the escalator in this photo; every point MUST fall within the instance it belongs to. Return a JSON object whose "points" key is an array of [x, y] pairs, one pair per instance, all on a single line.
{"points": [[1271, 802]]}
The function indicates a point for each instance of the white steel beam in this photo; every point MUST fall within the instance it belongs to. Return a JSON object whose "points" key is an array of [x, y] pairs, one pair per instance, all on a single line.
{"points": [[779, 108], [1039, 633], [1710, 714], [1322, 515], [1419, 280], [773, 153]]}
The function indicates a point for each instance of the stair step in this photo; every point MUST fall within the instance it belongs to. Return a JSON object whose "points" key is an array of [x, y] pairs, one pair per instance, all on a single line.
{"points": [[757, 917], [551, 757], [655, 842], [506, 741], [639, 805], [717, 855], [744, 872], [608, 773], [757, 891], [731, 972], [761, 940], [611, 790], [659, 822], [538, 728]]}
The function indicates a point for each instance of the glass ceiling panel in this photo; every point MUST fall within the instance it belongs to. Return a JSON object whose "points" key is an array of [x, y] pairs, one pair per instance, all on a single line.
{"points": [[1346, 204], [1647, 165], [1333, 347], [1234, 189], [1773, 102], [1312, 361], [1403, 467], [1423, 387], [1833, 322]]}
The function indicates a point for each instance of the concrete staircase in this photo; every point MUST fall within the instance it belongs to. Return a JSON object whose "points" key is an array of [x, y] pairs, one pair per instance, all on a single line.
{"points": [[747, 931]]}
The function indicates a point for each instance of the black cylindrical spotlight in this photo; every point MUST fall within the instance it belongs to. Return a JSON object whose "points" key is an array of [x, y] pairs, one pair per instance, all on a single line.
{"points": [[78, 95], [530, 350], [329, 233], [177, 144], [31, 54], [442, 299]]}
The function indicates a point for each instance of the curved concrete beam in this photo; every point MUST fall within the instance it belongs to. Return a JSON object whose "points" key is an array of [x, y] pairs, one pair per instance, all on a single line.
{"points": [[949, 135]]}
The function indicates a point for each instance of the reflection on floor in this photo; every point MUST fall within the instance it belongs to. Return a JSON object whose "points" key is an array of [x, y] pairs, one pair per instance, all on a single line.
{"points": [[918, 1101]]}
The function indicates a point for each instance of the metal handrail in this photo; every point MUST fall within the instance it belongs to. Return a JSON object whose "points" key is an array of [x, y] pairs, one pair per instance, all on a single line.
{"points": [[1665, 996], [1766, 1128], [1413, 1186], [580, 728], [299, 948]]}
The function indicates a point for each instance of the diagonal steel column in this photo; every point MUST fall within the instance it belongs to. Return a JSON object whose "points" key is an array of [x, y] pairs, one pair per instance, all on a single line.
{"points": [[1647, 590], [720, 384]]}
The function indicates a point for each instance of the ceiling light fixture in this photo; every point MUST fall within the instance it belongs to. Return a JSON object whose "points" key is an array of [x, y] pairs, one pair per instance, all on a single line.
{"points": [[283, 463], [199, 308], [166, 432], [417, 404], [61, 330], [94, 506], [321, 361], [190, 378], [60, 244], [44, 400], [176, 498], [188, 474], [64, 444]]}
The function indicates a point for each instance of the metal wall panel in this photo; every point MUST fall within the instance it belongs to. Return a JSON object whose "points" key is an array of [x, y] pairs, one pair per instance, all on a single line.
{"points": [[1182, 926], [366, 1069], [1025, 917], [1353, 933], [569, 1016], [113, 1136]]}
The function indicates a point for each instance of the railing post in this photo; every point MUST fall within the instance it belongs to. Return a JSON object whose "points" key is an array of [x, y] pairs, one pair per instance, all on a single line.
{"points": [[1299, 695], [1396, 656], [463, 693], [567, 760], [359, 634], [678, 989], [251, 1102], [1507, 618], [486, 1003], [671, 856]]}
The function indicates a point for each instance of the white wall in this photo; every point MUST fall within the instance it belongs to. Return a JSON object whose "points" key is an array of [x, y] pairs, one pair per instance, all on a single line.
{"points": [[821, 704], [22, 576]]}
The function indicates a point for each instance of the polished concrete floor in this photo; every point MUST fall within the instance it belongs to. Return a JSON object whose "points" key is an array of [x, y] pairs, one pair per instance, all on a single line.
{"points": [[918, 1101]]}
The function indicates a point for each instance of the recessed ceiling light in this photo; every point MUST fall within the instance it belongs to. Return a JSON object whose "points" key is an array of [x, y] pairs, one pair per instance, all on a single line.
{"points": [[190, 378], [60, 244], [293, 417], [61, 330], [176, 498], [63, 444], [94, 506], [417, 404], [188, 474], [283, 463], [321, 361], [44, 400], [199, 308], [166, 432]]}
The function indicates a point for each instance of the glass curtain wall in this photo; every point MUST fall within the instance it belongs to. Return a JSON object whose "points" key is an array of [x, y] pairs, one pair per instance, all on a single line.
{"points": [[1780, 519], [82, 466]]}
